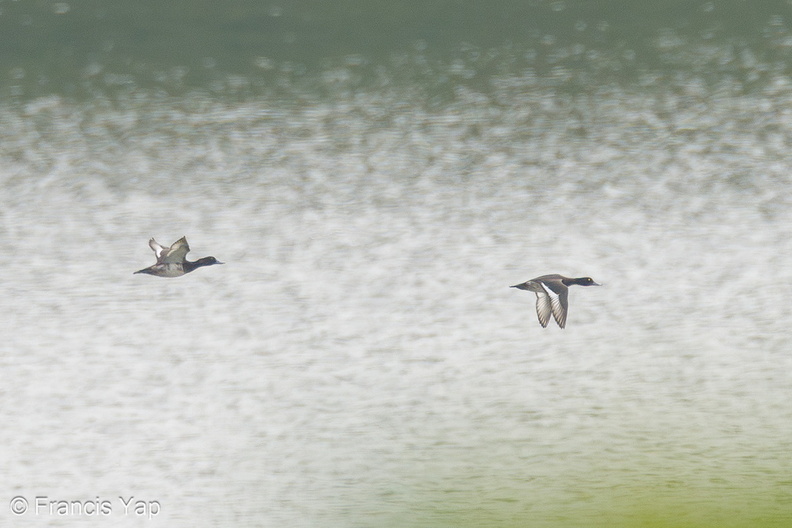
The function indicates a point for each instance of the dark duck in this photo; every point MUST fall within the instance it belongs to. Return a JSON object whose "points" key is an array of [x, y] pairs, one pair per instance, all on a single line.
{"points": [[172, 261], [552, 296]]}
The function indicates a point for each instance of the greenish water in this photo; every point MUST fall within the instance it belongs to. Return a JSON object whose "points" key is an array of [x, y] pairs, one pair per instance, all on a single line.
{"points": [[89, 48]]}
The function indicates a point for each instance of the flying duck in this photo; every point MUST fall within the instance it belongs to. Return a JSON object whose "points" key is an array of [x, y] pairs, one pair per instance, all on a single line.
{"points": [[172, 261], [552, 294]]}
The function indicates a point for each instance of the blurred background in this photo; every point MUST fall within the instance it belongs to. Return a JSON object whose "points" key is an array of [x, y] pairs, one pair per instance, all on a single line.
{"points": [[375, 176]]}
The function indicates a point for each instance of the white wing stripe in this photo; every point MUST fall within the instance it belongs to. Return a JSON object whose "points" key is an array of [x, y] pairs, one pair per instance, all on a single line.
{"points": [[559, 314]]}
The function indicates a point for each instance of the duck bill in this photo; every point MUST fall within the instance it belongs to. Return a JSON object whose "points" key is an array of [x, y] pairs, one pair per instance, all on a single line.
{"points": [[595, 284], [520, 286]]}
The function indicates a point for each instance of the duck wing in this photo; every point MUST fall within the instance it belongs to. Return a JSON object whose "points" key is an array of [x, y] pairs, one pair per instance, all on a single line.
{"points": [[543, 308], [157, 248], [558, 299], [176, 253], [560, 306]]}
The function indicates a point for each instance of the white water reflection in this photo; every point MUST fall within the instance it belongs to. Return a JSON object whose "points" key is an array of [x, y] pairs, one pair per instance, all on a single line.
{"points": [[360, 360]]}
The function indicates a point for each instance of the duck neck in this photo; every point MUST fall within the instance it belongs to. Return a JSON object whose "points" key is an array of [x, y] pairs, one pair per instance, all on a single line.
{"points": [[188, 266], [205, 261]]}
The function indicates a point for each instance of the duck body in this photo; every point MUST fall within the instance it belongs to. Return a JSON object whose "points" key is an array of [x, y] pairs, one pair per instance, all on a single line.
{"points": [[552, 296], [172, 261]]}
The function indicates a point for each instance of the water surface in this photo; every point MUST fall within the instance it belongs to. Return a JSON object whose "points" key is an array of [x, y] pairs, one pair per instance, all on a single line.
{"points": [[360, 359]]}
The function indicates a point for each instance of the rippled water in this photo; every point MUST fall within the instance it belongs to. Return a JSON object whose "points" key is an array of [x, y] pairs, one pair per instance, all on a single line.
{"points": [[360, 359]]}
